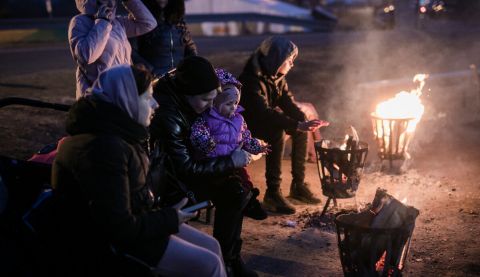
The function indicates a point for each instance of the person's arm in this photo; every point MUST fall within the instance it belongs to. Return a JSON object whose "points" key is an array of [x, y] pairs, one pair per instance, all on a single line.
{"points": [[169, 129], [201, 138], [136, 57], [255, 100], [104, 177], [250, 144], [88, 38], [139, 21], [288, 105], [190, 46]]}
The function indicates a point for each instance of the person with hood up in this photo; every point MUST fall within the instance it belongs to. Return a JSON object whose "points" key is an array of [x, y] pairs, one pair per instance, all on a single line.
{"points": [[101, 172], [99, 39], [185, 94], [165, 46], [270, 112]]}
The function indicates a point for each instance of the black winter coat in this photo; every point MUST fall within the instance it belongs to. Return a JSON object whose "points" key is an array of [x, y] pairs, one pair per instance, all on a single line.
{"points": [[101, 171], [163, 48], [171, 127], [261, 95]]}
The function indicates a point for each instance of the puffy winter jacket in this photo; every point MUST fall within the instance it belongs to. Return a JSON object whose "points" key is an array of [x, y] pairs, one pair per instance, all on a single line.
{"points": [[163, 48], [214, 135], [97, 44]]}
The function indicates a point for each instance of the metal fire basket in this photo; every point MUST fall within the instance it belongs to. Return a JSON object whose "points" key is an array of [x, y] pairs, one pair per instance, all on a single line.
{"points": [[340, 166], [368, 251], [393, 137]]}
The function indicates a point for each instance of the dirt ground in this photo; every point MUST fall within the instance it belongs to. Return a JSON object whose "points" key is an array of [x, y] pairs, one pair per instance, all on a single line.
{"points": [[441, 180]]}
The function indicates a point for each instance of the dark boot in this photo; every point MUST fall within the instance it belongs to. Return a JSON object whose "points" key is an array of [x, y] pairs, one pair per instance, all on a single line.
{"points": [[302, 193], [254, 209], [275, 202], [238, 266]]}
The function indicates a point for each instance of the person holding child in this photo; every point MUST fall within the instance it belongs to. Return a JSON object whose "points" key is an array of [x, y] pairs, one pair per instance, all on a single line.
{"points": [[184, 95], [270, 112], [221, 130]]}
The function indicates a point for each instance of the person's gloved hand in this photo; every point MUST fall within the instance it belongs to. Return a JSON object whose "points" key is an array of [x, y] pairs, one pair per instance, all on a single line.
{"points": [[241, 158], [105, 10], [183, 216]]}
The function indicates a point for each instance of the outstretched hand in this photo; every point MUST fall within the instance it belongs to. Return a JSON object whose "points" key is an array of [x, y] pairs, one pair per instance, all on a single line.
{"points": [[183, 216], [311, 125]]}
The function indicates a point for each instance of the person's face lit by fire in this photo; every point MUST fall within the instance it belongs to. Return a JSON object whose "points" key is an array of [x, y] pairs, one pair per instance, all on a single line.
{"points": [[146, 107], [287, 65], [202, 102], [228, 108]]}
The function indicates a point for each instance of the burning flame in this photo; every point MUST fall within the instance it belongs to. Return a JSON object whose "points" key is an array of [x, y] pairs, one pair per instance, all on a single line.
{"points": [[404, 200], [405, 105]]}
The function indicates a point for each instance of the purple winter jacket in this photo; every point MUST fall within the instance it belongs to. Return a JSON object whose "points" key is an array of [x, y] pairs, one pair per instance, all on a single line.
{"points": [[96, 44], [214, 135]]}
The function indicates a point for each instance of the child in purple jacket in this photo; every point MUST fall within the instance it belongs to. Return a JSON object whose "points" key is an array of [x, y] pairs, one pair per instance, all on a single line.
{"points": [[222, 129]]}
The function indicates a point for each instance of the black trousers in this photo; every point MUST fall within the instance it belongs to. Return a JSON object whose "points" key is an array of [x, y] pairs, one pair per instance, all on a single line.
{"points": [[228, 196], [276, 138]]}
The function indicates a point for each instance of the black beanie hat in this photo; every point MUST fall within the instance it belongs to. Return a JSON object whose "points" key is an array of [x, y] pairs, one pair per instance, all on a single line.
{"points": [[195, 75]]}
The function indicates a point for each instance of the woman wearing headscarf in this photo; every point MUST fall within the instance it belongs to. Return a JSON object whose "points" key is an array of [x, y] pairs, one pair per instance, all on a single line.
{"points": [[184, 95], [98, 38], [101, 172], [165, 46]]}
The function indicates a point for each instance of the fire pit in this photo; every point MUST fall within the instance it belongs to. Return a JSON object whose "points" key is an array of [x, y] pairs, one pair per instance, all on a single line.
{"points": [[394, 122], [340, 165], [393, 136], [376, 242]]}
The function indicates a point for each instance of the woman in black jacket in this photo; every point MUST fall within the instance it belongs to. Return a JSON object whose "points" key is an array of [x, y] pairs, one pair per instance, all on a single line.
{"points": [[184, 95], [164, 47], [101, 172]]}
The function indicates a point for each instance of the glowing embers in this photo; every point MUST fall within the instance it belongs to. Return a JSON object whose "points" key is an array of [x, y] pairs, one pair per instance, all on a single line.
{"points": [[395, 121]]}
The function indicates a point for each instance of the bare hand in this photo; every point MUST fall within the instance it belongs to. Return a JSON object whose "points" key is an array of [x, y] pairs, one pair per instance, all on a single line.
{"points": [[311, 125], [183, 216]]}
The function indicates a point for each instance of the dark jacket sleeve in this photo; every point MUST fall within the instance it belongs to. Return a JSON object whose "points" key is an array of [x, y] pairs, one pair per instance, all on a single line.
{"points": [[190, 46], [170, 129], [255, 101], [288, 105], [104, 177], [136, 57]]}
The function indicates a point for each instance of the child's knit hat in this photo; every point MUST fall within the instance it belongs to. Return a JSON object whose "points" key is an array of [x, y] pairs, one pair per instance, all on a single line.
{"points": [[226, 78]]}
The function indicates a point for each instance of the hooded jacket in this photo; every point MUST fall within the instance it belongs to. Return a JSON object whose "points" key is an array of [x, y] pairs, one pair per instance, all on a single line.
{"points": [[171, 127], [101, 170], [97, 44], [264, 89]]}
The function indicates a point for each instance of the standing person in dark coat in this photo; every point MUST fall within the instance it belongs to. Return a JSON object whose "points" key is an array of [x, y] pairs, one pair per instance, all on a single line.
{"points": [[270, 112], [165, 46], [101, 171], [184, 95]]}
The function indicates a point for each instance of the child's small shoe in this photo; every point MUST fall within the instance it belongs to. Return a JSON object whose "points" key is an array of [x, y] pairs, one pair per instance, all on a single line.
{"points": [[254, 208]]}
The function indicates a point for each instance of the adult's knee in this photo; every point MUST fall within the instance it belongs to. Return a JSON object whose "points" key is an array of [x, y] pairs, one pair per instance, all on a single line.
{"points": [[212, 265]]}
